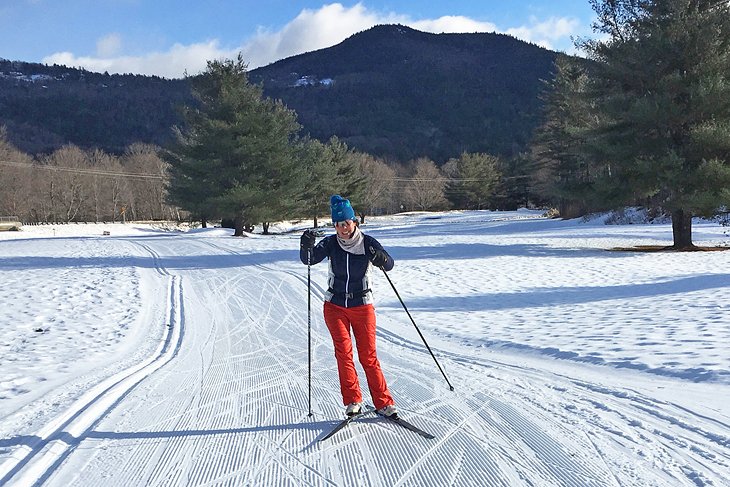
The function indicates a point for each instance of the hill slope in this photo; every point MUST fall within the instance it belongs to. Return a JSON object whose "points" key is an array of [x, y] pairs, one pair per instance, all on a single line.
{"points": [[394, 91], [391, 91], [45, 107]]}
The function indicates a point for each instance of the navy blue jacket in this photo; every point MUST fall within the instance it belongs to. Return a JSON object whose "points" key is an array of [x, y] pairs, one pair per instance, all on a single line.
{"points": [[349, 274]]}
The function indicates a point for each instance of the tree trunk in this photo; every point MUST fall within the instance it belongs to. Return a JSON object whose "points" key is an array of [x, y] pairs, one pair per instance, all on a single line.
{"points": [[315, 221], [362, 217], [238, 226], [204, 222], [682, 229], [265, 226]]}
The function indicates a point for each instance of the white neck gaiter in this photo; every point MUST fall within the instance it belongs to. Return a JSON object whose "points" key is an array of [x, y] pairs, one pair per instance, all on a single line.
{"points": [[355, 244]]}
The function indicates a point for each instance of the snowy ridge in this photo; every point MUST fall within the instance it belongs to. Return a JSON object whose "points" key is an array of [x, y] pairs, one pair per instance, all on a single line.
{"points": [[534, 323]]}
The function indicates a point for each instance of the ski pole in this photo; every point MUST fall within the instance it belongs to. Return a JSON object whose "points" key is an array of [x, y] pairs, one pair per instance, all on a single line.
{"points": [[419, 331], [309, 324]]}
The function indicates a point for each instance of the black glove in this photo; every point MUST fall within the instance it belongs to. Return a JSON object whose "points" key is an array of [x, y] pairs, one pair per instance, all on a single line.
{"points": [[307, 240], [378, 257]]}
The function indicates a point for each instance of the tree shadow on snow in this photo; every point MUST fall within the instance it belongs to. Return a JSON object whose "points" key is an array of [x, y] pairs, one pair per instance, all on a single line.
{"points": [[558, 296], [171, 262], [464, 251], [31, 441]]}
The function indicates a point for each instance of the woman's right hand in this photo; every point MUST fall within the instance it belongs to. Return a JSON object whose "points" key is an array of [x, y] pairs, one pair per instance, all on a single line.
{"points": [[307, 240]]}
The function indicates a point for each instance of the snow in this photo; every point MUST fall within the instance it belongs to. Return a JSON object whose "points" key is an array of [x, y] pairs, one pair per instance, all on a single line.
{"points": [[155, 356], [312, 81]]}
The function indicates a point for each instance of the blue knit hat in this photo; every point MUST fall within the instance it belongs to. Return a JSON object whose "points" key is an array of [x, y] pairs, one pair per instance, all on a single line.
{"points": [[341, 209]]}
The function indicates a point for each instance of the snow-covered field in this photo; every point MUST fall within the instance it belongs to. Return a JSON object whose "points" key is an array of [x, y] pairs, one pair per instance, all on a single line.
{"points": [[153, 357]]}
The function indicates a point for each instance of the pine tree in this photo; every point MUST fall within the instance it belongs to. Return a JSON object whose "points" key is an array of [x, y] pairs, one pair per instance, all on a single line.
{"points": [[236, 157], [330, 169], [474, 177], [661, 87], [191, 186], [561, 173]]}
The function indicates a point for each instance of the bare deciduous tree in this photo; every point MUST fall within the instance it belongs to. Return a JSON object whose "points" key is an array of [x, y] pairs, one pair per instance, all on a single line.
{"points": [[71, 190], [14, 178], [104, 188], [72, 184], [377, 193], [425, 188], [148, 194]]}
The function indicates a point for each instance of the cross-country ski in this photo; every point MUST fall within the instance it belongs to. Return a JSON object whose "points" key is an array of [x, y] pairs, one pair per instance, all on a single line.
{"points": [[341, 425], [397, 419]]}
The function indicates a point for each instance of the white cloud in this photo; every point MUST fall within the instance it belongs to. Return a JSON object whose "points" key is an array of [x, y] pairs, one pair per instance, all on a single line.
{"points": [[312, 30], [109, 45], [170, 64], [309, 31], [453, 24], [547, 33]]}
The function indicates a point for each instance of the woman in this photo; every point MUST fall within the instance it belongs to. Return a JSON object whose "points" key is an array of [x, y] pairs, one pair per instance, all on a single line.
{"points": [[348, 303]]}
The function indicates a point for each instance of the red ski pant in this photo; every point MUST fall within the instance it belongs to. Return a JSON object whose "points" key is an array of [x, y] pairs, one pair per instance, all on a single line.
{"points": [[361, 319]]}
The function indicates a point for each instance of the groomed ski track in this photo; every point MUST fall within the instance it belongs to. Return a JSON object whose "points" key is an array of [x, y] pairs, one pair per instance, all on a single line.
{"points": [[223, 401]]}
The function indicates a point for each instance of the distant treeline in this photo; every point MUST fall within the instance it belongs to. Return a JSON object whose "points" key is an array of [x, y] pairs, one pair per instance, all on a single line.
{"points": [[400, 120], [77, 185], [89, 185]]}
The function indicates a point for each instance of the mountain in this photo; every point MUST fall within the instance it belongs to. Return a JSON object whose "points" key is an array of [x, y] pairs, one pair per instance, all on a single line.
{"points": [[44, 107], [397, 92], [391, 91]]}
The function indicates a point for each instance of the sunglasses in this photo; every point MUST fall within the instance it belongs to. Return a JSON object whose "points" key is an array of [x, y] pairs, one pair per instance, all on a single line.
{"points": [[344, 224]]}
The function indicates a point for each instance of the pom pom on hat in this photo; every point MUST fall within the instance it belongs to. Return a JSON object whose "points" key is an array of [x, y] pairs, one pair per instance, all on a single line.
{"points": [[341, 209]]}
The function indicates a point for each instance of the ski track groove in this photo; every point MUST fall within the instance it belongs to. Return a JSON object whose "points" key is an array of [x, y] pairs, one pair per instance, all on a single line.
{"points": [[166, 453], [277, 451], [615, 480], [434, 449], [493, 471], [641, 414], [155, 257], [162, 451], [39, 463], [555, 461], [618, 399], [218, 428]]}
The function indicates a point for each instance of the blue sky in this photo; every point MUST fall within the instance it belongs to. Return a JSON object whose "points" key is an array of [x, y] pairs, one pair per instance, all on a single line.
{"points": [[168, 38]]}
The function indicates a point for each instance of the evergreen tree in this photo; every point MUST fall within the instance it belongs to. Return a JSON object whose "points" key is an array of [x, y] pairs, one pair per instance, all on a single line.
{"points": [[190, 185], [474, 178], [330, 169], [238, 148], [561, 173], [661, 88], [513, 190]]}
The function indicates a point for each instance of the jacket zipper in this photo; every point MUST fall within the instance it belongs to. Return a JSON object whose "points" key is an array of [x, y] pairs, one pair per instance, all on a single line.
{"points": [[347, 283]]}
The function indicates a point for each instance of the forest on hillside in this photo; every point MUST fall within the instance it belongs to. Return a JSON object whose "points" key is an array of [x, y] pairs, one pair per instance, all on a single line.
{"points": [[46, 107], [395, 93]]}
